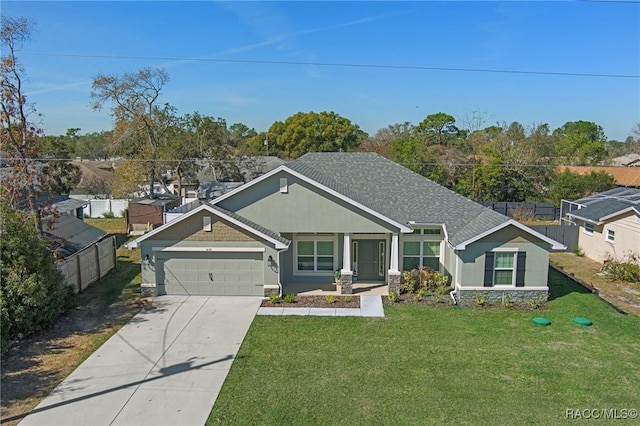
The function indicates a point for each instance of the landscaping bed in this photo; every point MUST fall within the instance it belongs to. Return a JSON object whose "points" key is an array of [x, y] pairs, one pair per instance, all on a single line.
{"points": [[315, 302]]}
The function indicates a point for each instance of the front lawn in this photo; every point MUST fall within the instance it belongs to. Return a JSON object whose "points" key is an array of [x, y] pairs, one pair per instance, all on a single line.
{"points": [[423, 365]]}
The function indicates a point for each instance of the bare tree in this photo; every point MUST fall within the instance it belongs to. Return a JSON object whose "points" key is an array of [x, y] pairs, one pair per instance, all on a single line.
{"points": [[19, 138], [136, 110]]}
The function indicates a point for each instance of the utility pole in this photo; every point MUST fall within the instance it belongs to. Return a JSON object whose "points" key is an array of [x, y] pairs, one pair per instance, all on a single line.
{"points": [[266, 143]]}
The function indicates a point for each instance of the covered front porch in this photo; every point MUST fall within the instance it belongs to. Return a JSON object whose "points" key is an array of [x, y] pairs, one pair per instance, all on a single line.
{"points": [[341, 263]]}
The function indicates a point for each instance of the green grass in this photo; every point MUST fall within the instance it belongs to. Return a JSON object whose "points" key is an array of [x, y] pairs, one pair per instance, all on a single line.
{"points": [[423, 365]]}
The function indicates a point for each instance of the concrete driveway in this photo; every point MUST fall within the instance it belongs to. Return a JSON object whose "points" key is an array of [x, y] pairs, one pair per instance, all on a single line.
{"points": [[165, 367]]}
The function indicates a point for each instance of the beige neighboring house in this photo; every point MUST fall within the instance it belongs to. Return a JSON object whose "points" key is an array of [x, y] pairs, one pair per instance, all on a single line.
{"points": [[609, 223], [629, 160]]}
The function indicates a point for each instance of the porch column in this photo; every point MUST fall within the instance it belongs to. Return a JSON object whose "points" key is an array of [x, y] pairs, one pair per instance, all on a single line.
{"points": [[346, 254], [393, 262], [346, 274], [394, 273]]}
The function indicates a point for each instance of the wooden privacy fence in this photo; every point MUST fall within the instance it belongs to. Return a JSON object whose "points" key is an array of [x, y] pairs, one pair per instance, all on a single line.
{"points": [[89, 265], [565, 234], [545, 211]]}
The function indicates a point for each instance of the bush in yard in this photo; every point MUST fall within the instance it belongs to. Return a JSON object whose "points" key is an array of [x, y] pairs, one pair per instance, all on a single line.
{"points": [[289, 298], [274, 298], [32, 293], [626, 269], [410, 284]]}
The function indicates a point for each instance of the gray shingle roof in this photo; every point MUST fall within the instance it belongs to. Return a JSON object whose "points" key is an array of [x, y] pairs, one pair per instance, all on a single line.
{"points": [[632, 195], [251, 224], [596, 211], [398, 193], [603, 204]]}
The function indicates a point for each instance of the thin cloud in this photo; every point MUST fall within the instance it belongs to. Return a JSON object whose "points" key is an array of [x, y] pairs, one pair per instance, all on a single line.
{"points": [[57, 87]]}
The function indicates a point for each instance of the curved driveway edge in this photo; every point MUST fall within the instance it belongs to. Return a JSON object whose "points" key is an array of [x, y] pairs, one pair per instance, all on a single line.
{"points": [[165, 366]]}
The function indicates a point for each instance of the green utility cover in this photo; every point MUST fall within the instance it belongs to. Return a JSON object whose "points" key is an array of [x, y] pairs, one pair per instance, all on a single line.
{"points": [[582, 321], [541, 321]]}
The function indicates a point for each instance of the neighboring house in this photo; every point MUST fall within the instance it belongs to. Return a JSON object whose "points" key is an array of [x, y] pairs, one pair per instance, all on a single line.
{"points": [[84, 252], [145, 214], [609, 223], [211, 183], [629, 160], [624, 176], [358, 213], [68, 206]]}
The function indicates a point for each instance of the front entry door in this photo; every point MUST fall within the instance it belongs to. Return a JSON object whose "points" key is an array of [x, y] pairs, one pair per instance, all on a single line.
{"points": [[370, 260]]}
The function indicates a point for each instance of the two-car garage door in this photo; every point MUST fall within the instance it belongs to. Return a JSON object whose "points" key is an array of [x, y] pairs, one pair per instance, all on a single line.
{"points": [[210, 273]]}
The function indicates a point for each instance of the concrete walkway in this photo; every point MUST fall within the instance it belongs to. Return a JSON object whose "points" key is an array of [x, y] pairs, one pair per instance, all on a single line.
{"points": [[370, 306], [165, 367]]}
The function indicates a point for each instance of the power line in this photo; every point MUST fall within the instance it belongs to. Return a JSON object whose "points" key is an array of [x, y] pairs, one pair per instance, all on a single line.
{"points": [[336, 64], [239, 162]]}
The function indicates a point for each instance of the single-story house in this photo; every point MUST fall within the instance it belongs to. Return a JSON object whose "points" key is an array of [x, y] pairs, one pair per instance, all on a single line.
{"points": [[357, 213], [609, 223]]}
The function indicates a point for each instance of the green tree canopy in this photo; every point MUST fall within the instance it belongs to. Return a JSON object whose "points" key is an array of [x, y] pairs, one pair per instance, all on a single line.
{"points": [[313, 132], [581, 143], [31, 288], [438, 128], [572, 186]]}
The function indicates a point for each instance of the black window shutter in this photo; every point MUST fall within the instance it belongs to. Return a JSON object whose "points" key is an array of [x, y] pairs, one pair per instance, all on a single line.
{"points": [[520, 268], [488, 269]]}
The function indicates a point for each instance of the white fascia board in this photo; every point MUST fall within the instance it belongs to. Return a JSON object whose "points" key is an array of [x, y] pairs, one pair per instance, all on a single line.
{"points": [[554, 244], [441, 225], [277, 244], [618, 213], [211, 249], [584, 219], [403, 228], [137, 241]]}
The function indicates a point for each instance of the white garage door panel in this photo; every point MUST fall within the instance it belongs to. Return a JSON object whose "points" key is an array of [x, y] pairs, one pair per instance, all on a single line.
{"points": [[200, 273]]}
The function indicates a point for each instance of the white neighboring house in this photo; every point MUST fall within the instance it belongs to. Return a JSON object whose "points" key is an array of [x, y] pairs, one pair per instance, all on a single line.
{"points": [[609, 223]]}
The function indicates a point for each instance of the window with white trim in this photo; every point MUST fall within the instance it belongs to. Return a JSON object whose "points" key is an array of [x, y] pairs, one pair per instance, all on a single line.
{"points": [[504, 268], [427, 231], [315, 255], [588, 228], [611, 235], [420, 253]]}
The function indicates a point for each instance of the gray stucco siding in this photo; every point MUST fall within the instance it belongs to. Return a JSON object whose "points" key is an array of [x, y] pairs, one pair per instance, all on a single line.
{"points": [[472, 260], [449, 262], [303, 208]]}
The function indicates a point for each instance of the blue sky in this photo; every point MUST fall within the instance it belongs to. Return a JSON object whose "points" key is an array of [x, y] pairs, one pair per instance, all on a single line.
{"points": [[557, 37]]}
